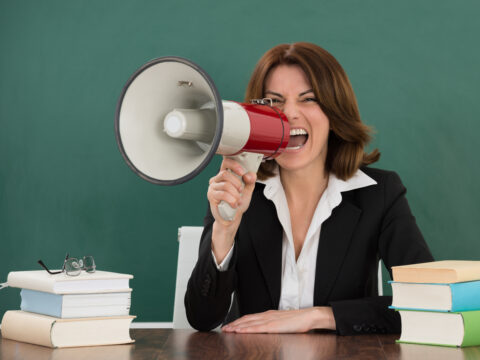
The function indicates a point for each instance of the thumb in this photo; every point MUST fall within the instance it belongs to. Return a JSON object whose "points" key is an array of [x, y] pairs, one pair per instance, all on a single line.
{"points": [[249, 178]]}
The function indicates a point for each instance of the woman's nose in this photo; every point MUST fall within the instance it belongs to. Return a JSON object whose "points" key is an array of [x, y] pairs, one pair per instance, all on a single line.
{"points": [[290, 109]]}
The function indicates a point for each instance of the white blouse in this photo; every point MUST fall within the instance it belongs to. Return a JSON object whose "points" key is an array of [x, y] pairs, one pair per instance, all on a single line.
{"points": [[298, 277]]}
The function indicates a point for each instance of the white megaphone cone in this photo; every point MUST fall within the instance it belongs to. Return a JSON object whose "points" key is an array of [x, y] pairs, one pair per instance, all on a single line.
{"points": [[170, 121]]}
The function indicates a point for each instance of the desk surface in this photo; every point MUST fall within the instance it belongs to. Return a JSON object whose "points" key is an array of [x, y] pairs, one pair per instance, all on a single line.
{"points": [[189, 344]]}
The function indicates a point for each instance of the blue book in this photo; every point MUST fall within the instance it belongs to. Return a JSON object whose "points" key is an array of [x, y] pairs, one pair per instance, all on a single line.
{"points": [[462, 296], [76, 305]]}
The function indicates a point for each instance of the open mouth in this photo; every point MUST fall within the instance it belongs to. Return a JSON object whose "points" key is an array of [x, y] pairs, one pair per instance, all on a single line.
{"points": [[298, 138]]}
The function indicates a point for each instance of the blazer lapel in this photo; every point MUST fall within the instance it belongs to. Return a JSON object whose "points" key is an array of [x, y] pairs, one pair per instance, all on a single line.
{"points": [[266, 234], [335, 237]]}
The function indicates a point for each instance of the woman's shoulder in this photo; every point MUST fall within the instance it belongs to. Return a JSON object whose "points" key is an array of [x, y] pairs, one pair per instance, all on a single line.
{"points": [[382, 176], [388, 189]]}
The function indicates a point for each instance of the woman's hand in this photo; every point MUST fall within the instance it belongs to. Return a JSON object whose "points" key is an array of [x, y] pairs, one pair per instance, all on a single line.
{"points": [[284, 321], [225, 186]]}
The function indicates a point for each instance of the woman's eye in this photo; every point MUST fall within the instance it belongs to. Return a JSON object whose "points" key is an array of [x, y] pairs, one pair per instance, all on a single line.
{"points": [[276, 101], [310, 100]]}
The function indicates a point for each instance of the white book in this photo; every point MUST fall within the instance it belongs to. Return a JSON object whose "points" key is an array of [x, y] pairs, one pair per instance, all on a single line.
{"points": [[41, 280], [58, 333], [440, 328], [463, 296]]}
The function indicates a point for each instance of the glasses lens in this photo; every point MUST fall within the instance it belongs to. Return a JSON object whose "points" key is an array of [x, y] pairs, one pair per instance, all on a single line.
{"points": [[72, 267], [89, 264]]}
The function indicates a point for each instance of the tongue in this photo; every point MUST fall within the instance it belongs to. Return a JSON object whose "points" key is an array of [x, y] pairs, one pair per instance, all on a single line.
{"points": [[297, 140]]}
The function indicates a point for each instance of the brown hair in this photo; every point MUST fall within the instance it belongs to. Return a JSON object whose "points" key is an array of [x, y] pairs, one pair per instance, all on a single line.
{"points": [[348, 135]]}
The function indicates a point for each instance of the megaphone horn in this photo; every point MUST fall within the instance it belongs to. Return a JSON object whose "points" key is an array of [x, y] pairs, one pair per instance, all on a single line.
{"points": [[170, 121]]}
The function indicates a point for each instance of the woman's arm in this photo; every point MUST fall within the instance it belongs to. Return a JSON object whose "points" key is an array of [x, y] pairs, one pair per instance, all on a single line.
{"points": [[208, 295], [400, 242], [227, 186]]}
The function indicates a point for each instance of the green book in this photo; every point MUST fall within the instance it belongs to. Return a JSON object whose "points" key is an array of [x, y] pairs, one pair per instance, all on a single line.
{"points": [[440, 328]]}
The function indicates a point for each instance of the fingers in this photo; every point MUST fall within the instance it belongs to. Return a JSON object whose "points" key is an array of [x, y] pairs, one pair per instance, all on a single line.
{"points": [[224, 191], [254, 317], [261, 322], [227, 176], [245, 319], [227, 185], [237, 169], [259, 327], [232, 185], [255, 326], [274, 321]]}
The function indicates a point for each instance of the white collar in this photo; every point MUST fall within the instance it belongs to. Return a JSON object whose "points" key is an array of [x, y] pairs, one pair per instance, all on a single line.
{"points": [[335, 185]]}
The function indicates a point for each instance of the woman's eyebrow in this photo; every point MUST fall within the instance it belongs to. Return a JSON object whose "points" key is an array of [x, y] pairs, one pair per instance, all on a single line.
{"points": [[281, 96], [306, 92], [273, 93]]}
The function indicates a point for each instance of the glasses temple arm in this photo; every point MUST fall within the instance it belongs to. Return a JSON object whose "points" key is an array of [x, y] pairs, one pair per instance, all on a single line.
{"points": [[45, 267]]}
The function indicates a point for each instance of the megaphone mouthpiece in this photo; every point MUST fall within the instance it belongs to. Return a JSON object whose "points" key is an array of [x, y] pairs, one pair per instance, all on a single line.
{"points": [[191, 124]]}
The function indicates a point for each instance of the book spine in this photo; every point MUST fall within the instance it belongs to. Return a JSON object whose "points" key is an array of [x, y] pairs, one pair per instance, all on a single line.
{"points": [[471, 323], [19, 280], [465, 296], [20, 326], [41, 302], [415, 275]]}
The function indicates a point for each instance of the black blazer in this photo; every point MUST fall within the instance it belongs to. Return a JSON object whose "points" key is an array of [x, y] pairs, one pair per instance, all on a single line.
{"points": [[370, 223]]}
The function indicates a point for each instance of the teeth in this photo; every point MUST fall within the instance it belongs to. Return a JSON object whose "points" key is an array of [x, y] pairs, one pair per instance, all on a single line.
{"points": [[294, 132]]}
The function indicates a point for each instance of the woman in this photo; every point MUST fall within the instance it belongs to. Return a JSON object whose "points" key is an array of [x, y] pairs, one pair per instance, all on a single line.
{"points": [[302, 252]]}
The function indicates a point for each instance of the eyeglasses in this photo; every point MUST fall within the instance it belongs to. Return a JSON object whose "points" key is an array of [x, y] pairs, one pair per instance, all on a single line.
{"points": [[73, 266], [264, 101]]}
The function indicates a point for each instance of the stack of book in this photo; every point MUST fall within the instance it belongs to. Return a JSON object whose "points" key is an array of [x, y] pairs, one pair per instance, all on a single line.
{"points": [[66, 311], [439, 302]]}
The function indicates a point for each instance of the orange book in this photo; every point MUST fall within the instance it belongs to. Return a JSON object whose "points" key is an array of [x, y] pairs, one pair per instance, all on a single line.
{"points": [[438, 272]]}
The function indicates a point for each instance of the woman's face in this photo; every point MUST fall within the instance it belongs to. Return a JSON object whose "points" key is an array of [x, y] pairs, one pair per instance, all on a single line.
{"points": [[291, 92]]}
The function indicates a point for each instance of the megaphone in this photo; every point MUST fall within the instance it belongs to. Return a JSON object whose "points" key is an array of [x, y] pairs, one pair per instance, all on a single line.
{"points": [[170, 121]]}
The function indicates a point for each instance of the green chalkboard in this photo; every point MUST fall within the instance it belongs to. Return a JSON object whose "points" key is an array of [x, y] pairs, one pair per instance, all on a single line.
{"points": [[64, 186]]}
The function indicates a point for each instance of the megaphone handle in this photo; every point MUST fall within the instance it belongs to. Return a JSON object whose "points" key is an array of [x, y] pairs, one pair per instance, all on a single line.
{"points": [[250, 162]]}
